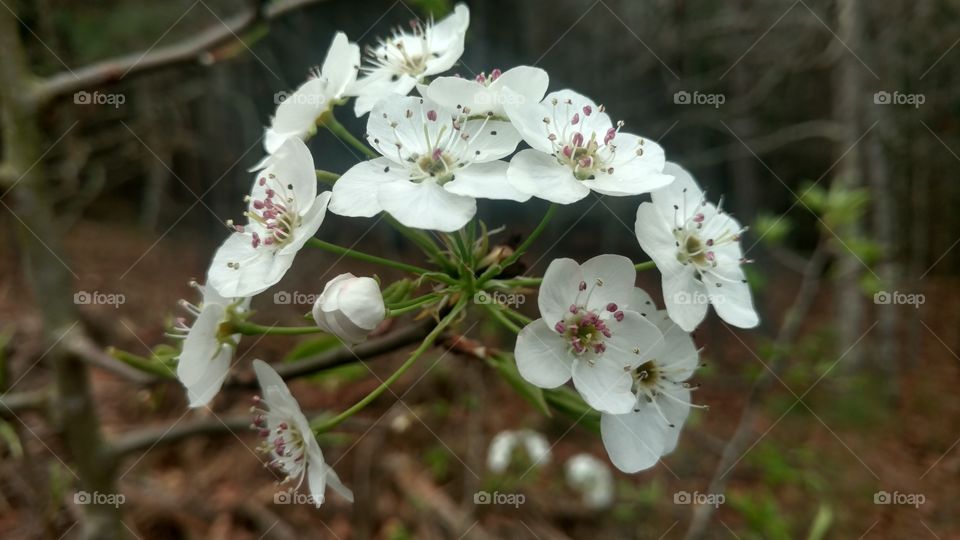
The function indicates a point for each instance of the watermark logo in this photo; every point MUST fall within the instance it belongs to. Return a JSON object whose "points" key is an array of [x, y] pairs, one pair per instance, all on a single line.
{"points": [[97, 298], [899, 98], [102, 499], [496, 297], [302, 98], [708, 499], [886, 298], [286, 298], [689, 298], [683, 97], [294, 497], [99, 98], [498, 98], [908, 499], [510, 499]]}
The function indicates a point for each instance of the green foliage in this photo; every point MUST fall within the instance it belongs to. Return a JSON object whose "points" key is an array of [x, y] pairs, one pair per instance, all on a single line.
{"points": [[764, 518], [8, 436], [507, 368], [772, 229], [434, 8], [312, 347]]}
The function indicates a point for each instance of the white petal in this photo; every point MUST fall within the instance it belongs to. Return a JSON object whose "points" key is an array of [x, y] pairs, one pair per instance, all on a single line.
{"points": [[486, 181], [355, 194], [730, 295], [540, 175], [361, 302], [297, 114], [488, 140], [404, 120], [201, 345], [632, 174], [426, 205], [542, 356], [259, 268], [528, 119], [635, 340], [679, 352], [201, 391], [596, 123], [656, 238], [686, 298], [604, 383], [446, 40], [529, 83], [610, 279], [340, 65], [290, 173], [377, 86], [642, 303], [267, 377], [333, 481], [683, 192], [634, 440], [317, 475], [559, 290], [454, 93]]}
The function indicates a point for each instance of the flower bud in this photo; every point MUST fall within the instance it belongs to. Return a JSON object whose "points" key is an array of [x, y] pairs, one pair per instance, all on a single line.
{"points": [[350, 307]]}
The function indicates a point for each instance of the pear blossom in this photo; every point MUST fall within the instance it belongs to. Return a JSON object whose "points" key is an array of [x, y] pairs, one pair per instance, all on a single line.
{"points": [[434, 164], [205, 356], [696, 247], [486, 94], [635, 441], [575, 148], [298, 113], [590, 331], [350, 307], [592, 478], [502, 446], [402, 60], [288, 439], [284, 211]]}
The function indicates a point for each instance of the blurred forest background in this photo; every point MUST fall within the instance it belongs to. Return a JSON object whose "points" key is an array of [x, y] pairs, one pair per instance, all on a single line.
{"points": [[830, 126]]}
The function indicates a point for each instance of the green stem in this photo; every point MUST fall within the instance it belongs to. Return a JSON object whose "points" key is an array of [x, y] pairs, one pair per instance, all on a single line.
{"points": [[514, 283], [333, 248], [497, 268], [498, 315], [414, 305], [253, 329], [327, 177], [641, 267], [427, 343], [329, 121], [423, 241], [517, 316]]}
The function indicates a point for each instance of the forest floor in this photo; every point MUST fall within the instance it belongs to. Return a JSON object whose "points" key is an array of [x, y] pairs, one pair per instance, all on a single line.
{"points": [[415, 464]]}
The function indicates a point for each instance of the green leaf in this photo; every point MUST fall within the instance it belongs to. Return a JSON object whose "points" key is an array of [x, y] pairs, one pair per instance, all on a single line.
{"points": [[312, 347], [9, 436], [772, 229], [821, 523]]}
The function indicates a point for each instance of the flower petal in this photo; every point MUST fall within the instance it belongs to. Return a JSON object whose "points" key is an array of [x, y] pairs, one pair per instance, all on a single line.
{"points": [[610, 279], [604, 383], [542, 356], [426, 205], [559, 290], [540, 175], [355, 193], [686, 298], [486, 181]]}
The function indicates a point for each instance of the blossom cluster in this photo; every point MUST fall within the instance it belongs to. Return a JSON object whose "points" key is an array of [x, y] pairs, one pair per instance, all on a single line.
{"points": [[499, 135]]}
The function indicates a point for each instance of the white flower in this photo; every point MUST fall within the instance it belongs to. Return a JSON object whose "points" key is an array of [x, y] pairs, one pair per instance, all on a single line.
{"points": [[487, 94], [635, 441], [504, 443], [350, 307], [575, 148], [696, 247], [205, 356], [288, 439], [284, 212], [592, 478], [298, 113], [434, 164], [590, 331], [402, 60]]}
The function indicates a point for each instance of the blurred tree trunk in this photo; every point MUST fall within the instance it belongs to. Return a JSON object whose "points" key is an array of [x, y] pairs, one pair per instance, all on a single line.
{"points": [[848, 88], [49, 277]]}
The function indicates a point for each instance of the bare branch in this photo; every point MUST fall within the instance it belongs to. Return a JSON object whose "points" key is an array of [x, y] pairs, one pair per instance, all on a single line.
{"points": [[206, 47]]}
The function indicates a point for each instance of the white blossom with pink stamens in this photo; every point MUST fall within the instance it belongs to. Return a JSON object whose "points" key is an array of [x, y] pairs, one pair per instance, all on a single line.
{"points": [[297, 115], [288, 439], [435, 162], [590, 332], [638, 439], [205, 355], [399, 62], [696, 247], [576, 148], [488, 93], [284, 211]]}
